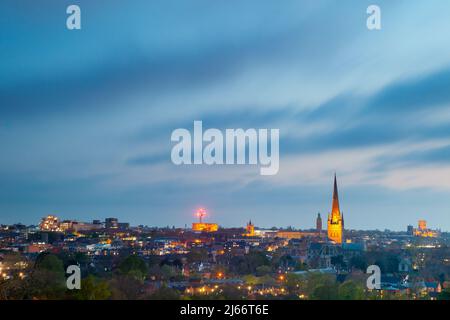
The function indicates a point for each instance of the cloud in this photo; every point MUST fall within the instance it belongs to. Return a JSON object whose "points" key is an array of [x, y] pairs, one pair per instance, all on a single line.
{"points": [[425, 92], [149, 159], [86, 117], [108, 70]]}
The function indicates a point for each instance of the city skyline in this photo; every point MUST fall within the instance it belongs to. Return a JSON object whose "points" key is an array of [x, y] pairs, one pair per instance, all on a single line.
{"points": [[87, 115], [333, 215]]}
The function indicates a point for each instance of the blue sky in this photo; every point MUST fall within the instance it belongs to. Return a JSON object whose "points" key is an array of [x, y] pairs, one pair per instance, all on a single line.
{"points": [[86, 115]]}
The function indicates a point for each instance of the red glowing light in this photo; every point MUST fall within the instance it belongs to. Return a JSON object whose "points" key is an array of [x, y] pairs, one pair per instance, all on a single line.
{"points": [[201, 212]]}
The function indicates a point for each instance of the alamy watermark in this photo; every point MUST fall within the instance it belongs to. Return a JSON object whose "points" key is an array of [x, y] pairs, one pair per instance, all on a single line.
{"points": [[74, 279], [374, 20], [73, 21], [234, 146], [374, 280]]}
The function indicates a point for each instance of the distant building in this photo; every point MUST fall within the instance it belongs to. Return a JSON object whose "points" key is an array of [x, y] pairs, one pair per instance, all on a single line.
{"points": [[202, 226], [36, 247], [205, 227], [250, 228], [335, 219], [49, 223], [66, 225], [98, 222], [111, 223], [424, 232], [295, 234], [123, 225], [354, 247], [320, 254], [84, 226], [422, 225], [410, 230], [78, 226], [319, 223]]}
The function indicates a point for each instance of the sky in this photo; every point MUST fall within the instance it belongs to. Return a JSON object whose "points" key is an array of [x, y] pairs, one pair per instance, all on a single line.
{"points": [[86, 115]]}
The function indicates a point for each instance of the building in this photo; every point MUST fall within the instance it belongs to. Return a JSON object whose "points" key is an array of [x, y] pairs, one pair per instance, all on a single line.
{"points": [[66, 225], [335, 219], [49, 223], [84, 226], [123, 225], [97, 222], [285, 234], [319, 223], [111, 223], [422, 225], [250, 229], [205, 227], [410, 230], [320, 254], [424, 232], [37, 247], [78, 226], [202, 226]]}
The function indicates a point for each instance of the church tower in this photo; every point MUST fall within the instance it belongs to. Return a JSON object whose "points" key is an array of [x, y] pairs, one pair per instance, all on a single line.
{"points": [[250, 229], [335, 219], [319, 223]]}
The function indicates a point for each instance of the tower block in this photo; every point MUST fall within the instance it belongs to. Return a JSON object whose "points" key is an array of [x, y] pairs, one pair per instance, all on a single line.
{"points": [[335, 219]]}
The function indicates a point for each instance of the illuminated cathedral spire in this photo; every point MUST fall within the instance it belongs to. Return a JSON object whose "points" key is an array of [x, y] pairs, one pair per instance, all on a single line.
{"points": [[335, 212], [335, 219]]}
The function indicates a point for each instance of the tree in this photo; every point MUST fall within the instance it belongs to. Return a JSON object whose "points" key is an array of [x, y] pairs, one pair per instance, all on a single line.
{"points": [[286, 261], [197, 255], [267, 280], [168, 272], [338, 262], [250, 280], [248, 263], [47, 280], [135, 267], [349, 290], [49, 262], [388, 262], [321, 286], [230, 292], [263, 270], [295, 283], [300, 266], [325, 292], [124, 287], [165, 293], [444, 295], [13, 289], [358, 262], [93, 289]]}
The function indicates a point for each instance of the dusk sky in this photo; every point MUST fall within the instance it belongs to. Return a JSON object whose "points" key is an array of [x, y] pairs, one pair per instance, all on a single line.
{"points": [[86, 115]]}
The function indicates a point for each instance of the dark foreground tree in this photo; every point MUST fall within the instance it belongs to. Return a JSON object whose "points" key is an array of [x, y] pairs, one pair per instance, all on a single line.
{"points": [[92, 288]]}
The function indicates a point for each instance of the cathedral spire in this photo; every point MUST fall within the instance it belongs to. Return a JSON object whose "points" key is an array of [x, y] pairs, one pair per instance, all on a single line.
{"points": [[335, 207], [335, 219]]}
